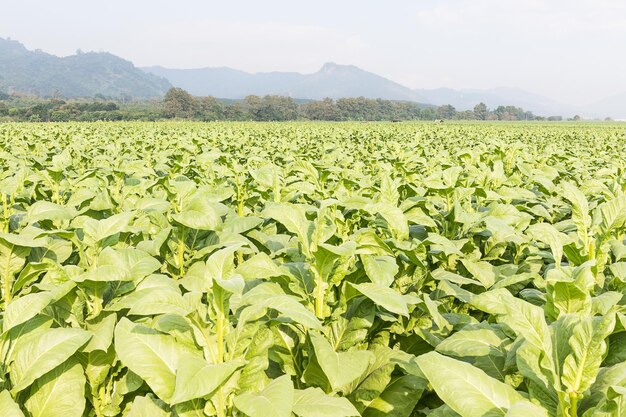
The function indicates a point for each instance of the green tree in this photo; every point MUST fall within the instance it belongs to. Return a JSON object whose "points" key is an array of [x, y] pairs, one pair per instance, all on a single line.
{"points": [[481, 112], [321, 110], [446, 112], [179, 103]]}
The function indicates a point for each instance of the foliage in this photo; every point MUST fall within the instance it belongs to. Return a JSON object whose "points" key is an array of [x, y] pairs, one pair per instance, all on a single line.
{"points": [[179, 104], [312, 270]]}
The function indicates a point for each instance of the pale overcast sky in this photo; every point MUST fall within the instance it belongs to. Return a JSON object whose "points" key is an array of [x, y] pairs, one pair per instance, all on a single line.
{"points": [[570, 50]]}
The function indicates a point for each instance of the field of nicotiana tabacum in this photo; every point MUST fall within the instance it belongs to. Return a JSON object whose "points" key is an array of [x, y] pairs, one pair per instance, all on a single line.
{"points": [[315, 270]]}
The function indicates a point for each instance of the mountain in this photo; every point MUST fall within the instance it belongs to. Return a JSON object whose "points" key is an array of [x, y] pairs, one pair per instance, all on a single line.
{"points": [[336, 81], [466, 99], [81, 75], [613, 106], [332, 80]]}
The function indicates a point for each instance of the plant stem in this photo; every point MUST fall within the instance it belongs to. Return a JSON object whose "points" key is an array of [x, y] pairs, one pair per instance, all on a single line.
{"points": [[573, 410], [5, 210], [319, 294], [220, 359], [181, 253]]}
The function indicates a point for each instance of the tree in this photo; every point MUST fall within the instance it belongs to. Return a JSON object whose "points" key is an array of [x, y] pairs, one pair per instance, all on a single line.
{"points": [[446, 111], [179, 103], [210, 108], [271, 108], [481, 112], [320, 110]]}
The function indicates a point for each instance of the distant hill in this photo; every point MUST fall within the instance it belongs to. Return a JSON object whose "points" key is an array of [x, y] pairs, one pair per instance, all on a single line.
{"points": [[81, 75], [336, 81], [332, 80], [87, 74], [613, 106], [466, 99]]}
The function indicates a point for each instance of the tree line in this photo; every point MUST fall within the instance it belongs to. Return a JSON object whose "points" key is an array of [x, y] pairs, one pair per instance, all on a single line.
{"points": [[179, 104]]}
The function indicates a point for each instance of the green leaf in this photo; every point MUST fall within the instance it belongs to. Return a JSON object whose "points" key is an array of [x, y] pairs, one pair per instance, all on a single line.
{"points": [[580, 211], [275, 400], [199, 213], [152, 355], [45, 210], [196, 378], [36, 354], [293, 217], [341, 368], [380, 270], [526, 409], [292, 309], [99, 230], [313, 402], [385, 297], [260, 266], [547, 233], [467, 390], [480, 341], [588, 347], [394, 217], [398, 399], [121, 265], [613, 214], [146, 407], [28, 306], [60, 392], [8, 407]]}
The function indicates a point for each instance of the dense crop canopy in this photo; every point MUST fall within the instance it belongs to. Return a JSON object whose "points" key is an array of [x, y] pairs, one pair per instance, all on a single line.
{"points": [[315, 270]]}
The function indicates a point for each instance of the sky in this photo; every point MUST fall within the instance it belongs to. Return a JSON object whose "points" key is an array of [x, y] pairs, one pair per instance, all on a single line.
{"points": [[573, 51]]}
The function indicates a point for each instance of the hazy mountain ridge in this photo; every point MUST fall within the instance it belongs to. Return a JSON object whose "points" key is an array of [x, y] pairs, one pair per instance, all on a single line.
{"points": [[336, 81], [332, 80], [80, 75], [88, 74]]}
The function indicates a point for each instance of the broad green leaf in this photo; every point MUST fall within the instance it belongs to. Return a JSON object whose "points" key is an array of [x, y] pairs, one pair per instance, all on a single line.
{"points": [[588, 347], [99, 230], [293, 217], [274, 400], [380, 269], [292, 309], [526, 409], [146, 407], [121, 265], [196, 378], [341, 368], [580, 211], [28, 306], [45, 210], [467, 390], [313, 402], [547, 233], [200, 214], [480, 341], [38, 354], [8, 407], [152, 355], [398, 399], [60, 392], [385, 297]]}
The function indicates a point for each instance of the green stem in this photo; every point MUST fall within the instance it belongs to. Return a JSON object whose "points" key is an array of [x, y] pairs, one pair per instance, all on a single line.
{"points": [[181, 253], [5, 210], [319, 295], [221, 406], [573, 410]]}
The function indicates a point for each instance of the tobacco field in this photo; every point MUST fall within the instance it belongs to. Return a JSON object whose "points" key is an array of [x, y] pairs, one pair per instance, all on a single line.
{"points": [[312, 270]]}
